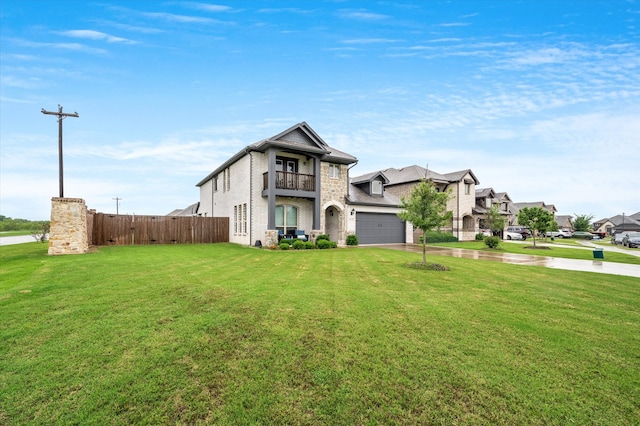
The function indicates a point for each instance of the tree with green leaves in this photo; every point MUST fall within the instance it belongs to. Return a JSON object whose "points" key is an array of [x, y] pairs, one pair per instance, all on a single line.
{"points": [[494, 220], [582, 222], [426, 209], [536, 219]]}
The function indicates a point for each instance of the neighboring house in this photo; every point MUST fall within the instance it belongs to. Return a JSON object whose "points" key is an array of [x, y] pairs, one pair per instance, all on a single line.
{"points": [[624, 223], [516, 207], [399, 183], [373, 212], [291, 183], [603, 226], [192, 210], [486, 198], [565, 222]]}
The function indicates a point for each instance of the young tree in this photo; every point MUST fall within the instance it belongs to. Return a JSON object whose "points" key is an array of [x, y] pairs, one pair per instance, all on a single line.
{"points": [[582, 222], [536, 219], [426, 210], [494, 220]]}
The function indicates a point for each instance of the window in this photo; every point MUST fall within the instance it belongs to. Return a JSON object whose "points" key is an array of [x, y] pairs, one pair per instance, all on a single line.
{"points": [[235, 219], [215, 183], [228, 173], [488, 202], [376, 187], [467, 188], [286, 218], [244, 218], [334, 171]]}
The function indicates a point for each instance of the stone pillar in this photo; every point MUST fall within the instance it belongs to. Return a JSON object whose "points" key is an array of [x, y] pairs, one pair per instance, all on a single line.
{"points": [[68, 233]]}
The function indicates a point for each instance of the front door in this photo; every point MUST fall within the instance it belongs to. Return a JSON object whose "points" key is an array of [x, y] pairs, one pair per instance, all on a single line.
{"points": [[332, 223]]}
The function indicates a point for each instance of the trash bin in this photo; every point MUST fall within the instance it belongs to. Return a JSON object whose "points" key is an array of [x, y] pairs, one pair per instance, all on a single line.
{"points": [[598, 253]]}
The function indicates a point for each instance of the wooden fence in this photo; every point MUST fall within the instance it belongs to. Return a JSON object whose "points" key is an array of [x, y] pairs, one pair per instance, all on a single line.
{"points": [[110, 229]]}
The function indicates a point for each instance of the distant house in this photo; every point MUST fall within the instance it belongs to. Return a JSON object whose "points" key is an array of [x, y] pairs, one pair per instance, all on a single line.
{"points": [[516, 207], [603, 226], [564, 222], [486, 198], [622, 223], [192, 210]]}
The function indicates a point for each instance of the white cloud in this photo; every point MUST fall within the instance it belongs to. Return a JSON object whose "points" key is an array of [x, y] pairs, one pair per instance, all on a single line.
{"points": [[96, 35]]}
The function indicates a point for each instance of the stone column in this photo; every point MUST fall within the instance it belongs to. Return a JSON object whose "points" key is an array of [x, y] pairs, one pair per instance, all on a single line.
{"points": [[68, 233]]}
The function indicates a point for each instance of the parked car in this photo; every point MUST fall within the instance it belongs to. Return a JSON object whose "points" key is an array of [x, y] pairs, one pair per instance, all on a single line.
{"points": [[563, 233], [520, 230], [617, 238], [513, 236], [632, 239], [582, 235]]}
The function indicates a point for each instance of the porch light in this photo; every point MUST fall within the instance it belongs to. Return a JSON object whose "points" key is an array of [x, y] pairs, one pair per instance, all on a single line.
{"points": [[353, 211]]}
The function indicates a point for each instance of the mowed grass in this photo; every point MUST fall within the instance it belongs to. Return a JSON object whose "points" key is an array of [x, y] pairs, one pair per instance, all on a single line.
{"points": [[223, 334]]}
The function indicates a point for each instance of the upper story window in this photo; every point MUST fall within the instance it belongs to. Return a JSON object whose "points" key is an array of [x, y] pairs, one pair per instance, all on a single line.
{"points": [[289, 165], [488, 203], [467, 188], [215, 183], [376, 187], [334, 171]]}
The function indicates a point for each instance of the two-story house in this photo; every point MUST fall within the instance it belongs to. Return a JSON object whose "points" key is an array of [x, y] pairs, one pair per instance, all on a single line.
{"points": [[396, 184], [486, 198], [292, 183]]}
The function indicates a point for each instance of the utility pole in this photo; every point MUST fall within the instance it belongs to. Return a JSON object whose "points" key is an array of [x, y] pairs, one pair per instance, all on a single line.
{"points": [[117, 204], [61, 115]]}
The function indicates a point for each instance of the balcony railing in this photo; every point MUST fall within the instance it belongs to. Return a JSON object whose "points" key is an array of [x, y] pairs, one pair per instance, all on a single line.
{"points": [[288, 180]]}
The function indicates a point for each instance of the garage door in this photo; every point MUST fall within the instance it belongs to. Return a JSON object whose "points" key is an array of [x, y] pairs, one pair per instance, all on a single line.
{"points": [[379, 228]]}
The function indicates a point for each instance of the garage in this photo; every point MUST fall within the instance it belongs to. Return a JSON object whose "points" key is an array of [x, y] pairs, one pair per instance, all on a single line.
{"points": [[379, 228]]}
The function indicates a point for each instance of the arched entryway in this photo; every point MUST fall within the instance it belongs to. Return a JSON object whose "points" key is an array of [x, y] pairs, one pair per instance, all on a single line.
{"points": [[332, 223]]}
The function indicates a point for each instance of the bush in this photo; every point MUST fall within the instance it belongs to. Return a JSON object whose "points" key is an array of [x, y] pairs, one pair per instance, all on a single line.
{"points": [[333, 244], [439, 237], [322, 237], [323, 244], [352, 240], [286, 240], [309, 245], [479, 236], [492, 242], [298, 245], [284, 246]]}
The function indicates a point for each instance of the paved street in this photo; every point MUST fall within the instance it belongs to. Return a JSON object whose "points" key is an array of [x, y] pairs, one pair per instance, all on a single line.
{"points": [[599, 266]]}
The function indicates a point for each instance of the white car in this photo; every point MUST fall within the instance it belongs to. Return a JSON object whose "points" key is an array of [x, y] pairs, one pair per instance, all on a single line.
{"points": [[513, 236]]}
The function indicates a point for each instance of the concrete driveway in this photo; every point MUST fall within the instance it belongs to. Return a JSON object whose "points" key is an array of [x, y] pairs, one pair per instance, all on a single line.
{"points": [[599, 266]]}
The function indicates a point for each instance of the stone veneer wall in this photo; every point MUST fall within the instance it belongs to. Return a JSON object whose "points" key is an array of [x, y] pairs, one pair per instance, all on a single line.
{"points": [[68, 233]]}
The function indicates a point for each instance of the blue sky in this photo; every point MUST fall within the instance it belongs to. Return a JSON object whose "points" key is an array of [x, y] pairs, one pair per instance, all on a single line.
{"points": [[540, 99]]}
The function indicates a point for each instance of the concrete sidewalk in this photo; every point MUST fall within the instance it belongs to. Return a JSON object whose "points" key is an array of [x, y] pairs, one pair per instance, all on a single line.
{"points": [[598, 266]]}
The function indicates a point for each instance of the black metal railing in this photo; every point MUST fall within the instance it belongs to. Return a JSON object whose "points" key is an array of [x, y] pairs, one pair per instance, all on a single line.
{"points": [[289, 180]]}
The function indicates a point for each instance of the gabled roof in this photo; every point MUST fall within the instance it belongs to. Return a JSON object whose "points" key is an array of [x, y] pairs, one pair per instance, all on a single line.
{"points": [[299, 138], [412, 174], [368, 177], [520, 206], [485, 192], [620, 219], [359, 197], [503, 196], [192, 210], [458, 176]]}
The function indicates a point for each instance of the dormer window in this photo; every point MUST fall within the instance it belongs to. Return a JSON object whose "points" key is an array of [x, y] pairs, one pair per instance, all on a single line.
{"points": [[376, 187]]}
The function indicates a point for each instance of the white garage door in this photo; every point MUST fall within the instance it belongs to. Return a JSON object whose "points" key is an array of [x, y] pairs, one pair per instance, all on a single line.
{"points": [[379, 228]]}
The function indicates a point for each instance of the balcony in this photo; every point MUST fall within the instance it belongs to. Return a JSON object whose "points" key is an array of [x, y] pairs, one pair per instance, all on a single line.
{"points": [[292, 181]]}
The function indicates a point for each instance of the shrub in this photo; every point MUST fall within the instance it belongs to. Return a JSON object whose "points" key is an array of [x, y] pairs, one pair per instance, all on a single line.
{"points": [[298, 245], [352, 240], [284, 246], [286, 240], [333, 244], [492, 242], [322, 237], [323, 244], [439, 237], [479, 236], [309, 245]]}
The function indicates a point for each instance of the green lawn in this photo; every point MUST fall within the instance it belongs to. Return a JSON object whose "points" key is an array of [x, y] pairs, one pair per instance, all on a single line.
{"points": [[223, 334], [14, 233], [553, 250]]}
